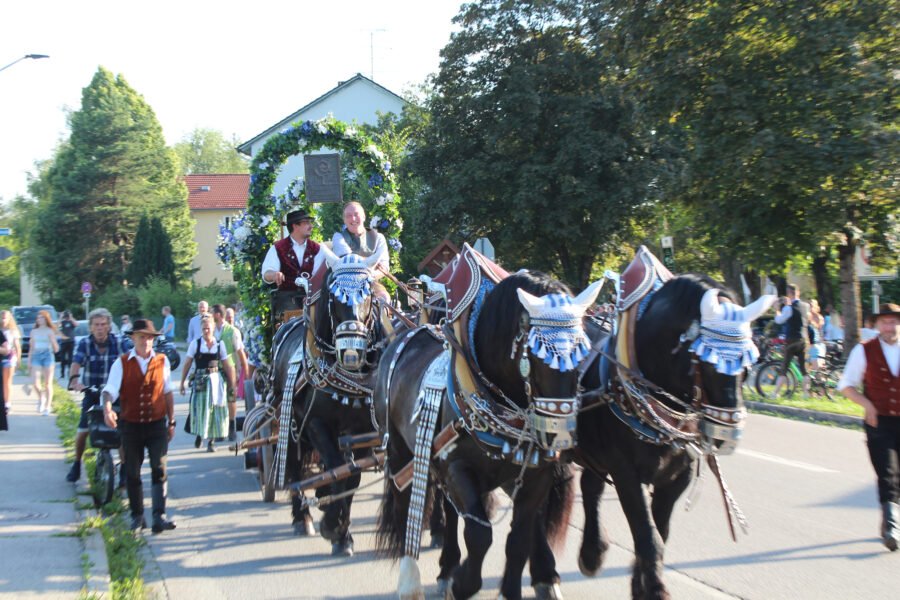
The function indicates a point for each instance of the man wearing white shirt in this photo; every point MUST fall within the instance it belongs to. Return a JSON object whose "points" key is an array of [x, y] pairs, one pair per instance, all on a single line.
{"points": [[872, 380], [193, 332], [355, 238], [142, 378], [294, 255]]}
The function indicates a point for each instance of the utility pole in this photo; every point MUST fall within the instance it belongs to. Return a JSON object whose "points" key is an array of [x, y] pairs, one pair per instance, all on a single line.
{"points": [[372, 52]]}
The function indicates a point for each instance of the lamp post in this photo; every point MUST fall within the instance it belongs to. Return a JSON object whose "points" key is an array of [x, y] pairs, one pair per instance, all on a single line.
{"points": [[34, 56]]}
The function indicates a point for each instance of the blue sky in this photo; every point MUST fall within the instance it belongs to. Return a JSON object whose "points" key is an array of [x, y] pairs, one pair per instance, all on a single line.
{"points": [[201, 63]]}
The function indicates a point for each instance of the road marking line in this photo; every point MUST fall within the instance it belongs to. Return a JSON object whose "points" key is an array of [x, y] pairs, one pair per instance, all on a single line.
{"points": [[785, 461]]}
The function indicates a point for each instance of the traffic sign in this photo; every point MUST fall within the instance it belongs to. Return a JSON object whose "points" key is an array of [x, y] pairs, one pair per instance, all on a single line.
{"points": [[484, 246], [86, 288], [86, 294], [5, 231]]}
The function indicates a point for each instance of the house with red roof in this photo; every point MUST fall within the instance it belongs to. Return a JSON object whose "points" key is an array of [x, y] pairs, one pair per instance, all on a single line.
{"points": [[213, 199]]}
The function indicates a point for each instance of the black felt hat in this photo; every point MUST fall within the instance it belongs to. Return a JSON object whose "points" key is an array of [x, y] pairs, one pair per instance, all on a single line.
{"points": [[887, 310], [296, 216]]}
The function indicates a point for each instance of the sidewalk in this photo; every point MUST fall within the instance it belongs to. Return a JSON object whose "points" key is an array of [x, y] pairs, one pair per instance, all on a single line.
{"points": [[40, 557]]}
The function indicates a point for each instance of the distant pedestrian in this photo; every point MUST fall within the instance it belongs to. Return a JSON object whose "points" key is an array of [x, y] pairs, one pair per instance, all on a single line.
{"points": [[193, 332], [140, 380], [10, 362], [41, 365], [93, 359], [244, 371], [168, 328], [872, 380], [4, 352], [208, 403], [126, 326], [795, 315], [67, 326], [237, 359]]}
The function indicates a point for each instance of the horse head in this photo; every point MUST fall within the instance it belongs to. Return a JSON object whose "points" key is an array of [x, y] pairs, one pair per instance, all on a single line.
{"points": [[695, 342], [345, 313], [531, 349]]}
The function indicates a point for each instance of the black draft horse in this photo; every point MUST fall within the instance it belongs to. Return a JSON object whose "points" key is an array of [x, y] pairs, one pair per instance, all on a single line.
{"points": [[341, 343], [664, 336], [467, 474]]}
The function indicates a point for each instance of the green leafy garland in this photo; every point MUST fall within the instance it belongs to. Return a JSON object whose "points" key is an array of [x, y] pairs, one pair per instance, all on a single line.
{"points": [[244, 244]]}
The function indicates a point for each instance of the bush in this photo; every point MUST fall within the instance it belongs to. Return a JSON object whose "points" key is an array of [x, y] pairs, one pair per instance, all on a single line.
{"points": [[118, 300], [214, 293], [158, 292]]}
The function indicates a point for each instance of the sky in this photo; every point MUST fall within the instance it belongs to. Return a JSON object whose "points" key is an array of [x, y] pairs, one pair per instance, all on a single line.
{"points": [[237, 67]]}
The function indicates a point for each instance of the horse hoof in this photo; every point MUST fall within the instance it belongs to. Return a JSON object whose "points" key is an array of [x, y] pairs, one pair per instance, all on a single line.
{"points": [[437, 540], [585, 570], [548, 591], [304, 527], [344, 548]]}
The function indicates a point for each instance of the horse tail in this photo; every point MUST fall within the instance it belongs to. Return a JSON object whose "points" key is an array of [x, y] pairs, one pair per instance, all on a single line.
{"points": [[390, 534], [559, 505]]}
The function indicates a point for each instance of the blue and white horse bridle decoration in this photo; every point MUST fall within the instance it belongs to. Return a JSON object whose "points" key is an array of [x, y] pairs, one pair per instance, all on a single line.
{"points": [[351, 280], [556, 336], [724, 338]]}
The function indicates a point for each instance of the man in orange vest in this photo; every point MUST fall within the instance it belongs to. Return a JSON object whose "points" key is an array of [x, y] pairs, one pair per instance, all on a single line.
{"points": [[141, 378], [874, 368]]}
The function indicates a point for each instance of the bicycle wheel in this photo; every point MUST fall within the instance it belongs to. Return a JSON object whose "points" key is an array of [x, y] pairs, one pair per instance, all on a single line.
{"points": [[767, 377], [103, 484]]}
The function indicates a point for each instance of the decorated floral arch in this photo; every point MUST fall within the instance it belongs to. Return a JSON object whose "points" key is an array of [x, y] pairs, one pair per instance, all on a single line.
{"points": [[244, 243]]}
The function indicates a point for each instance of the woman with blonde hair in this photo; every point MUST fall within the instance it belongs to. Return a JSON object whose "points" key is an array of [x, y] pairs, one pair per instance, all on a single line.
{"points": [[11, 361], [41, 364]]}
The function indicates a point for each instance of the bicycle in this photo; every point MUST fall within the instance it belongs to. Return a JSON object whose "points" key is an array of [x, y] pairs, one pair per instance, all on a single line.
{"points": [[103, 439], [822, 381]]}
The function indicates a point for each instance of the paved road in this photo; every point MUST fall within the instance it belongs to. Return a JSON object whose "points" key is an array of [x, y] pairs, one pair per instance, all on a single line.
{"points": [[807, 491]]}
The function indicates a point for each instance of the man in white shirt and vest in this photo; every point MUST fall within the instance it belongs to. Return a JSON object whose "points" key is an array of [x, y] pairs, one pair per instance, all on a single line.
{"points": [[872, 380]]}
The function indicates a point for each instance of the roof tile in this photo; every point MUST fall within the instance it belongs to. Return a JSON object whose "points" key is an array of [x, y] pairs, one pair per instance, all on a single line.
{"points": [[217, 192]]}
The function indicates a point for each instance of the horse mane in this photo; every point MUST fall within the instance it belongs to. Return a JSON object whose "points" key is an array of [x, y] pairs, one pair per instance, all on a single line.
{"points": [[322, 325], [668, 314], [499, 322]]}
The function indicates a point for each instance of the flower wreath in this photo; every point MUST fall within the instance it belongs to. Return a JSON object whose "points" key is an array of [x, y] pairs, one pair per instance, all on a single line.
{"points": [[243, 245]]}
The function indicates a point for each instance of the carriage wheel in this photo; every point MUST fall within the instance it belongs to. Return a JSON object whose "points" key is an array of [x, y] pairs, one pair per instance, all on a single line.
{"points": [[767, 377], [266, 459]]}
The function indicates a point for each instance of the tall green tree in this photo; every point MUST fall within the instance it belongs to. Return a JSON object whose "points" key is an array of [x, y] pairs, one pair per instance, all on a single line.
{"points": [[532, 139], [114, 168], [207, 151], [787, 116], [152, 255]]}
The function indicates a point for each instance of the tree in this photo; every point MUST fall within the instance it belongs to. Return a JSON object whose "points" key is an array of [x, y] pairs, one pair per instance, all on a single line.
{"points": [[9, 267], [532, 139], [114, 168], [207, 151], [787, 117], [152, 256]]}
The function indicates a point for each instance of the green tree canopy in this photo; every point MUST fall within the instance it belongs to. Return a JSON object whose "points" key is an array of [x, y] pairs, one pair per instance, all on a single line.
{"points": [[114, 168], [533, 141], [207, 151], [152, 256]]}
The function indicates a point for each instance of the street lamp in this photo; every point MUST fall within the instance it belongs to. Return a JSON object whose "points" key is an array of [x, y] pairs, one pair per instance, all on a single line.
{"points": [[34, 56]]}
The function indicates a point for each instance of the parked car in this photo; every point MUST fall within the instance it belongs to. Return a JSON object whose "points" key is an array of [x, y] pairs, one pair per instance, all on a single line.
{"points": [[26, 316]]}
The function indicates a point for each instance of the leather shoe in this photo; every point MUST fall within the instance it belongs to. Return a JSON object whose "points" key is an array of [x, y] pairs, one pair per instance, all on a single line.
{"points": [[197, 441], [74, 473], [161, 524], [211, 446], [138, 523]]}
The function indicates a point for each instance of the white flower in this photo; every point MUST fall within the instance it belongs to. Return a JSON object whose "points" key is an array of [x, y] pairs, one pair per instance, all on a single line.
{"points": [[321, 127], [242, 233], [264, 221], [349, 132], [381, 200], [399, 224], [262, 166], [373, 223]]}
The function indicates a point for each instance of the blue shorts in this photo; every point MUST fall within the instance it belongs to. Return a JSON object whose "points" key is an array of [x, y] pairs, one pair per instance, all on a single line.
{"points": [[42, 358]]}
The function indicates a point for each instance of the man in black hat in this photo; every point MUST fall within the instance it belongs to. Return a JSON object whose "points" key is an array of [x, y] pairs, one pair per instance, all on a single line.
{"points": [[141, 379], [294, 255], [872, 380]]}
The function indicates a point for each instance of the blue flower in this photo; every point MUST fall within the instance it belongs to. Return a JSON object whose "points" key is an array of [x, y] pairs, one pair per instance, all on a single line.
{"points": [[306, 128], [375, 180], [384, 224], [395, 244], [386, 167]]}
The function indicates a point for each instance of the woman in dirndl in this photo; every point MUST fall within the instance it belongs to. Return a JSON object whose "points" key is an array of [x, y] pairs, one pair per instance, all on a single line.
{"points": [[208, 418]]}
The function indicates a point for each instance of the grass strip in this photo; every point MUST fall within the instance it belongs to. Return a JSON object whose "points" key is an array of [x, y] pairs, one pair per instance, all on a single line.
{"points": [[123, 548], [839, 405]]}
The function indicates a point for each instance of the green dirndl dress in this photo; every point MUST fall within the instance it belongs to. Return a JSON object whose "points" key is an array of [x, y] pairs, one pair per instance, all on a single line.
{"points": [[208, 404]]}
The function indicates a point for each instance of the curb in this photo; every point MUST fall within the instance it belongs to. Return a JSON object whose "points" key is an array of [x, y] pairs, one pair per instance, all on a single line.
{"points": [[97, 579], [803, 414]]}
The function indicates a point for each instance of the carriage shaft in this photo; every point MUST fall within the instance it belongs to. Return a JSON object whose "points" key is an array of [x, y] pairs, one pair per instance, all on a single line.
{"points": [[356, 442], [339, 473], [248, 444]]}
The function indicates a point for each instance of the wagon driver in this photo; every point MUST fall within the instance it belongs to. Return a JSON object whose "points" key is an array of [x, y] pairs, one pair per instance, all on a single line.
{"points": [[872, 380], [294, 255], [355, 238]]}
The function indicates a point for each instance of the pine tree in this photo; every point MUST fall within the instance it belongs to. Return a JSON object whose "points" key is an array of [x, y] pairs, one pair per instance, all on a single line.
{"points": [[114, 168]]}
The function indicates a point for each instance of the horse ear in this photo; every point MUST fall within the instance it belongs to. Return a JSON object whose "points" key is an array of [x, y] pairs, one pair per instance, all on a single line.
{"points": [[531, 303], [330, 257], [371, 261], [709, 305], [758, 307], [587, 297]]}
